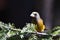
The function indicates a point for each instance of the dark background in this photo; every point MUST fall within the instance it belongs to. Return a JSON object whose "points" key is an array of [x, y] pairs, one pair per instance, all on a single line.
{"points": [[18, 11]]}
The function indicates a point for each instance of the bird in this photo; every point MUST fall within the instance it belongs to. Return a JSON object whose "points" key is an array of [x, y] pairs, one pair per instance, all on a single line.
{"points": [[40, 25]]}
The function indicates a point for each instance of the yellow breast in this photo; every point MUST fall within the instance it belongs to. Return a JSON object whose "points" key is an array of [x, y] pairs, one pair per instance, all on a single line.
{"points": [[41, 26]]}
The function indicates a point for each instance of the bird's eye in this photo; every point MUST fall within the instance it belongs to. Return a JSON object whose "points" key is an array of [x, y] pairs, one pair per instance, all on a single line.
{"points": [[35, 14]]}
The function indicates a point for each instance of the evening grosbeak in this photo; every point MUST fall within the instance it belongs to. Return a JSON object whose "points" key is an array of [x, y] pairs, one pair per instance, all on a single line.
{"points": [[40, 26]]}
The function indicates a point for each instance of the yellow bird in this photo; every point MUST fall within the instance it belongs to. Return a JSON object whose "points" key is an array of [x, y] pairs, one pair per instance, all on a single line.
{"points": [[41, 26]]}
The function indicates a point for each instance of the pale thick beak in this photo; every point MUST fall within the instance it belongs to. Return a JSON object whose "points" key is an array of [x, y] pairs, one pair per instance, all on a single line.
{"points": [[32, 15]]}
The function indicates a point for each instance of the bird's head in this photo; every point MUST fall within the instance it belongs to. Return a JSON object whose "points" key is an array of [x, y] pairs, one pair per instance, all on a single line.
{"points": [[34, 14]]}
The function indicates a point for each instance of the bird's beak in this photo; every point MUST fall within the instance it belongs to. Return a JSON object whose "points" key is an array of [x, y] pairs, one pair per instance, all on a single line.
{"points": [[32, 15]]}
